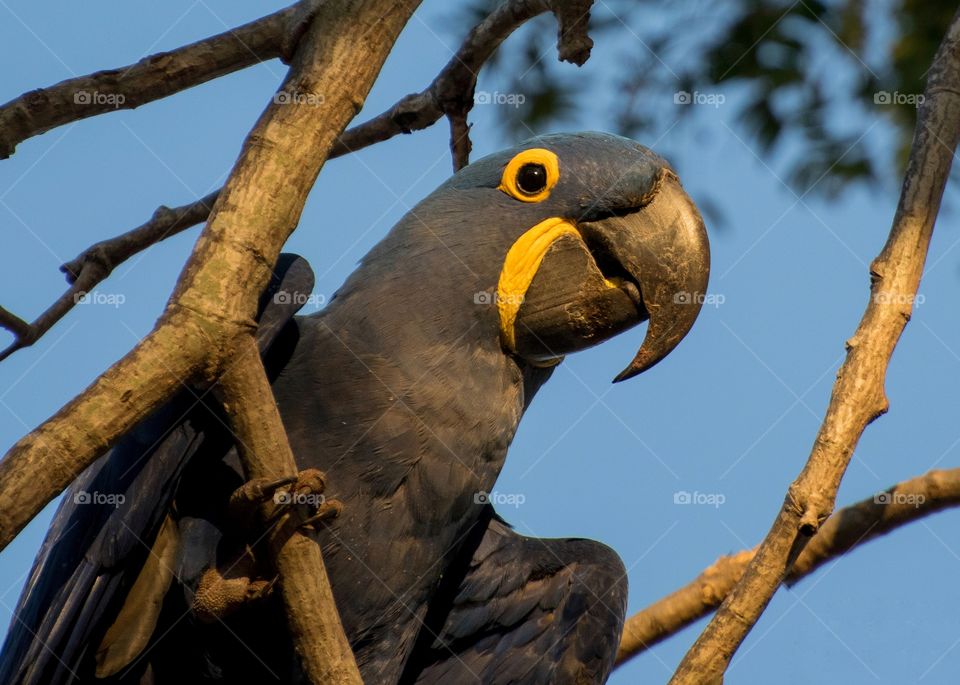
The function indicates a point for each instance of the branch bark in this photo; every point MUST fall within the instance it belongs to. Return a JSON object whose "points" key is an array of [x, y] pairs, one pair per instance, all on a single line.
{"points": [[450, 94], [858, 394], [850, 527], [152, 78]]}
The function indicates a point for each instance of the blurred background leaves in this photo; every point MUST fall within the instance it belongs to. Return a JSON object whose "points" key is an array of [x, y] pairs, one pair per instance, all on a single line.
{"points": [[808, 71]]}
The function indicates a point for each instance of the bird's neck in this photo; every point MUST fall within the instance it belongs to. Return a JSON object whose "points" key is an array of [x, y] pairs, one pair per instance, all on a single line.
{"points": [[447, 379]]}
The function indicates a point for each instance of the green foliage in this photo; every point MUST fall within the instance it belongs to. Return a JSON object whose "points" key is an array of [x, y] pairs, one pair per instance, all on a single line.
{"points": [[814, 72]]}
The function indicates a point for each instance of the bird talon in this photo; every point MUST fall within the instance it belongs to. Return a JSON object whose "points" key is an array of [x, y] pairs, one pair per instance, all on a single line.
{"points": [[327, 511], [283, 493], [245, 499]]}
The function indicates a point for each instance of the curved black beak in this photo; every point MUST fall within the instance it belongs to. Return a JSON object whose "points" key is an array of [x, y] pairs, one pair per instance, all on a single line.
{"points": [[663, 249]]}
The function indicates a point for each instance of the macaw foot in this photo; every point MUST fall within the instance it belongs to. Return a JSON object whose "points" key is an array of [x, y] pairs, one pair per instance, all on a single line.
{"points": [[287, 505], [300, 498], [222, 591]]}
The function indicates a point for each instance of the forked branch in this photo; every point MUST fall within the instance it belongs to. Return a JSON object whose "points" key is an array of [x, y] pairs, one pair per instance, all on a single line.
{"points": [[849, 527]]}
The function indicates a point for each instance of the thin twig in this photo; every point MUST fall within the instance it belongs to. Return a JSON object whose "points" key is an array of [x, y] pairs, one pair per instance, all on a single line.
{"points": [[91, 267], [849, 527], [152, 78], [858, 394]]}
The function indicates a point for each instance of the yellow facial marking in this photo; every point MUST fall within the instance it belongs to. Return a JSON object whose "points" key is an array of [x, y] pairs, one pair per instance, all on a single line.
{"points": [[512, 181], [520, 266]]}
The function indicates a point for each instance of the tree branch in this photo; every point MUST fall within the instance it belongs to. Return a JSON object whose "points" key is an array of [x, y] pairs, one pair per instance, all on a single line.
{"points": [[152, 78], [850, 527], [858, 394], [450, 94]]}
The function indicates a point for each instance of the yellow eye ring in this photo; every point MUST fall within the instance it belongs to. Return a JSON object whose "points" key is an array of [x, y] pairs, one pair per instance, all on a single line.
{"points": [[531, 175]]}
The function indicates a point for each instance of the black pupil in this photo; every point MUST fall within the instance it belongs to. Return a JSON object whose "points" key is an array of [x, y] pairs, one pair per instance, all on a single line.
{"points": [[532, 178]]}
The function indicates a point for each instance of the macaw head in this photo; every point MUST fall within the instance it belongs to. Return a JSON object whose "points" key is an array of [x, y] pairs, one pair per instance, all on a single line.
{"points": [[553, 246]]}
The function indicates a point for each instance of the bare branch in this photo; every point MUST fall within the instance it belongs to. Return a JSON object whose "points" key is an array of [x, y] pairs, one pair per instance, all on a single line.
{"points": [[450, 94], [14, 324], [850, 527], [152, 78], [858, 394], [86, 271], [166, 73], [460, 144]]}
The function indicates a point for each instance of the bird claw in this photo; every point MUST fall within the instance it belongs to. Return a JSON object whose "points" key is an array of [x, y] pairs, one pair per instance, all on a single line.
{"points": [[245, 500], [299, 497], [329, 510], [255, 492], [304, 503]]}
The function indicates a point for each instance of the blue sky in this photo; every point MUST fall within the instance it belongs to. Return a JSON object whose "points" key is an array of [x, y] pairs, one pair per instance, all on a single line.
{"points": [[732, 412]]}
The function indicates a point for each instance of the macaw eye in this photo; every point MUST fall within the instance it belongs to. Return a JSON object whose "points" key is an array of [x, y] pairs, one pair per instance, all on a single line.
{"points": [[532, 178], [531, 175]]}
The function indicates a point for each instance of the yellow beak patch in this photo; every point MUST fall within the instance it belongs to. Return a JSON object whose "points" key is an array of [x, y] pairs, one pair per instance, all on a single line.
{"points": [[520, 266]]}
